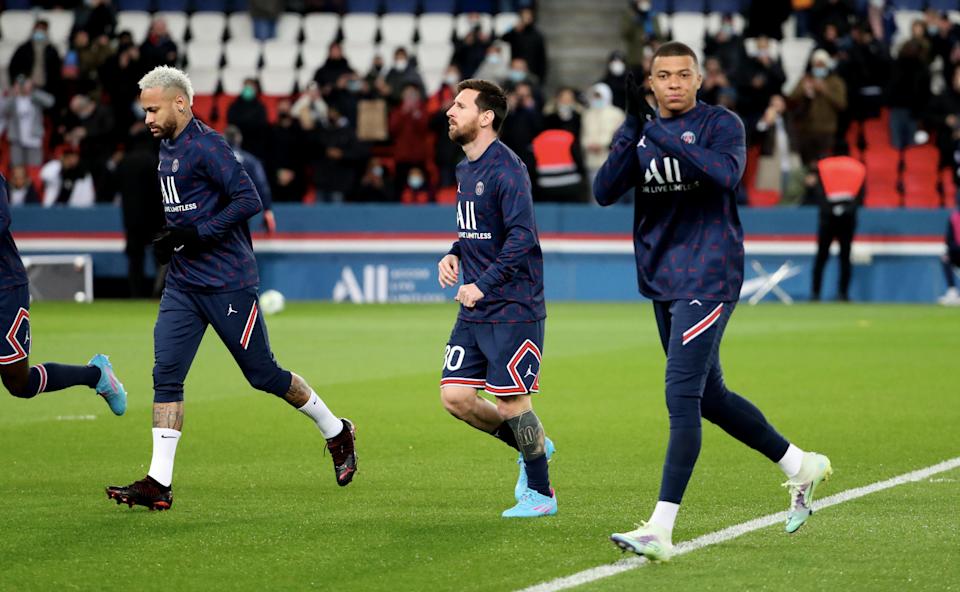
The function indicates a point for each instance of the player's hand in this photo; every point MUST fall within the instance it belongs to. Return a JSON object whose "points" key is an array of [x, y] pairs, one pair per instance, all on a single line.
{"points": [[175, 239], [468, 295], [636, 100], [449, 268], [269, 222]]}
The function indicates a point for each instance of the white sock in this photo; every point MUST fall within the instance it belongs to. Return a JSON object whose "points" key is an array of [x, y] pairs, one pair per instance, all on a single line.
{"points": [[791, 461], [164, 448], [664, 515], [329, 424]]}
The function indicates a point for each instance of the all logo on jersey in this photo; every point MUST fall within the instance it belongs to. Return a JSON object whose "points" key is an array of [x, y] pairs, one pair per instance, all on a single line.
{"points": [[688, 137], [171, 197], [664, 175], [467, 221]]}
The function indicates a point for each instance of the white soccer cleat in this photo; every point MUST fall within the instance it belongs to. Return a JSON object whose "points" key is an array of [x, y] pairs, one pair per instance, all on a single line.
{"points": [[649, 540], [950, 298]]}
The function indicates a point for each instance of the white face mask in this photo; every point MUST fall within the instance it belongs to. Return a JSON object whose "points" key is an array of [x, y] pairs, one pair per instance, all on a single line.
{"points": [[617, 68], [400, 64]]}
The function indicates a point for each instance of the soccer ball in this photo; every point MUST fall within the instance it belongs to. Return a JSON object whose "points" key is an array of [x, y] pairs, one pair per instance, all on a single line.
{"points": [[271, 302]]}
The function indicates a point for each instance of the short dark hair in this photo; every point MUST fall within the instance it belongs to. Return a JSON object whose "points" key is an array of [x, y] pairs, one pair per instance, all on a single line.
{"points": [[490, 97], [673, 49]]}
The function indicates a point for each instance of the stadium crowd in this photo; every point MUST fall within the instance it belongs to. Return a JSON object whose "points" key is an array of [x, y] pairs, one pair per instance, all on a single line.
{"points": [[74, 133]]}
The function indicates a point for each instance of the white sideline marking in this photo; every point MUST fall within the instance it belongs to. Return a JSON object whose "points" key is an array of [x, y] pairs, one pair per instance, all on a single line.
{"points": [[732, 532], [76, 417]]}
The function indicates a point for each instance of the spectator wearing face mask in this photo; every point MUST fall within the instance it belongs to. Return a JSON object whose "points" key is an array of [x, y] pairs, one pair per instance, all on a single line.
{"points": [[815, 105], [760, 77], [401, 74], [248, 113], [527, 42], [616, 78], [563, 112], [332, 69], [376, 184], [337, 157], [470, 51], [522, 125], [287, 162], [38, 60], [416, 191], [638, 27], [725, 45], [119, 76], [495, 66], [409, 126], [599, 123]]}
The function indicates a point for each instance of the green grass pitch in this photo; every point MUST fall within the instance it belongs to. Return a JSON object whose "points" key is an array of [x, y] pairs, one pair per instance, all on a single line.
{"points": [[256, 506]]}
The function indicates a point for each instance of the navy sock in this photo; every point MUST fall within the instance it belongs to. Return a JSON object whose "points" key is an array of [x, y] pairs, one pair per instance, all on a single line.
{"points": [[948, 274], [537, 477], [50, 376], [505, 433]]}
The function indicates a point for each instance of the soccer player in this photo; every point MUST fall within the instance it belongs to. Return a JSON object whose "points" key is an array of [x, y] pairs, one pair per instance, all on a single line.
{"points": [[685, 160], [20, 378], [951, 259], [212, 280], [497, 339]]}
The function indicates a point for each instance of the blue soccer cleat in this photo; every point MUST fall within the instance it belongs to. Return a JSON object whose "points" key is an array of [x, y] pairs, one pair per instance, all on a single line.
{"points": [[522, 477], [109, 386], [533, 504]]}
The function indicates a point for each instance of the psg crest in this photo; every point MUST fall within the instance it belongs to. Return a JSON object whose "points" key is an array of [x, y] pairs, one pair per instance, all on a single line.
{"points": [[479, 188], [176, 165], [688, 137]]}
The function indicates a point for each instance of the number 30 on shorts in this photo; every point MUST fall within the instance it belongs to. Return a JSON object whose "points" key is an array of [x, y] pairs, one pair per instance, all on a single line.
{"points": [[453, 357]]}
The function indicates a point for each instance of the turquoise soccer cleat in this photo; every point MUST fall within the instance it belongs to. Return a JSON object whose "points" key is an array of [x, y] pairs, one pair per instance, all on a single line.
{"points": [[533, 504], [109, 387], [521, 485], [814, 469], [649, 540]]}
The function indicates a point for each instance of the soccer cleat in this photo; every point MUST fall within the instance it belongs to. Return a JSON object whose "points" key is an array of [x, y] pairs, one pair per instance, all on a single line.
{"points": [[950, 298], [533, 504], [814, 469], [521, 485], [145, 492], [109, 386], [649, 540], [343, 450]]}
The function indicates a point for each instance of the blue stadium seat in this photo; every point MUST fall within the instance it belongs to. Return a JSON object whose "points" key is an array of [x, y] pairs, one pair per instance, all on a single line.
{"points": [[909, 4], [171, 5], [476, 6], [208, 5], [688, 5], [363, 5], [142, 5], [944, 5], [406, 6], [238, 6], [724, 6], [19, 5], [660, 5], [440, 6]]}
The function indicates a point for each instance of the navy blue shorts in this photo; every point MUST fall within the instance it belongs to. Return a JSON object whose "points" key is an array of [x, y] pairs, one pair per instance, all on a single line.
{"points": [[500, 358], [690, 332], [235, 316], [15, 324]]}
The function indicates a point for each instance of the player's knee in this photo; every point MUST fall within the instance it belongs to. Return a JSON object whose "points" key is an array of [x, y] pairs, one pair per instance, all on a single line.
{"points": [[513, 406], [19, 387], [274, 381], [684, 409], [457, 401]]}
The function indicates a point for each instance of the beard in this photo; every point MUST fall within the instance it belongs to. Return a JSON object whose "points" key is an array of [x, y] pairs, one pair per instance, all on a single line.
{"points": [[166, 131], [465, 134]]}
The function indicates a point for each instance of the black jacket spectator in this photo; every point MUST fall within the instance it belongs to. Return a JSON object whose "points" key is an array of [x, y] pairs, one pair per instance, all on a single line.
{"points": [[526, 42]]}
